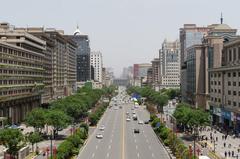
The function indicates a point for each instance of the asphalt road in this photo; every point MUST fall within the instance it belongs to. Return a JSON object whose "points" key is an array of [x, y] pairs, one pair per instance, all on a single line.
{"points": [[119, 140]]}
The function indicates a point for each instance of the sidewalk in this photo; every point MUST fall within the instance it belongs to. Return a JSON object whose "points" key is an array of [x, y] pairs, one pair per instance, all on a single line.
{"points": [[232, 144]]}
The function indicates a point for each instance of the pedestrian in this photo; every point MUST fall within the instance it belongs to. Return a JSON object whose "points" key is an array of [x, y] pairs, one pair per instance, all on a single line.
{"points": [[210, 134], [225, 137], [211, 138], [232, 153], [217, 139], [225, 154], [222, 137], [224, 144], [229, 145], [238, 150], [229, 153]]}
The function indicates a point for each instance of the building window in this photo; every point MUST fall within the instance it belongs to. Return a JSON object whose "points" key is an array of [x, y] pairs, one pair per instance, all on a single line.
{"points": [[219, 91], [229, 92], [229, 83], [219, 75], [219, 83], [234, 83], [229, 102], [234, 74], [234, 104], [229, 74], [234, 93]]}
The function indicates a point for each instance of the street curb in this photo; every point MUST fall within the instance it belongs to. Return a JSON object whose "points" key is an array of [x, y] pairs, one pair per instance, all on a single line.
{"points": [[160, 141]]}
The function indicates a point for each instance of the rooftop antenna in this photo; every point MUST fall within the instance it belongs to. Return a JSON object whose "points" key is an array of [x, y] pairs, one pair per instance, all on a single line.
{"points": [[221, 18]]}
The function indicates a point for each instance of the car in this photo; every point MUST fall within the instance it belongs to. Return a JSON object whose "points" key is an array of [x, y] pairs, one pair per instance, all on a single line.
{"points": [[133, 112], [140, 122], [99, 136], [132, 108], [102, 128], [134, 117], [128, 119], [146, 122], [127, 113], [136, 130], [120, 107], [115, 108]]}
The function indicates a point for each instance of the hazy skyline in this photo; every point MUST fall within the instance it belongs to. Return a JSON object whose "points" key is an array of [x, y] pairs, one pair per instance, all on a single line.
{"points": [[125, 31]]}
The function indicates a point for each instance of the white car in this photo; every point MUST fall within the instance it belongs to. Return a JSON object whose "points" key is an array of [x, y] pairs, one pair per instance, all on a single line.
{"points": [[134, 112], [128, 119], [99, 136], [140, 122], [102, 128]]}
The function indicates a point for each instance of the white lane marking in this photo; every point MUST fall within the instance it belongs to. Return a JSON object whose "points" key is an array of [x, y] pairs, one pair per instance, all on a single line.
{"points": [[149, 147], [111, 141], [109, 147], [135, 140], [96, 147], [138, 155], [152, 155], [107, 155], [147, 141], [93, 155], [136, 147]]}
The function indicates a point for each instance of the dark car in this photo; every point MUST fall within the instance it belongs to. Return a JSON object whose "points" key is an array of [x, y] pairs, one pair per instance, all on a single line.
{"points": [[146, 122], [136, 131]]}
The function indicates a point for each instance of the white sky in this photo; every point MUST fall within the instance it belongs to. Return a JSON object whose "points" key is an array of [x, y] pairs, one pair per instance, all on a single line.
{"points": [[125, 31]]}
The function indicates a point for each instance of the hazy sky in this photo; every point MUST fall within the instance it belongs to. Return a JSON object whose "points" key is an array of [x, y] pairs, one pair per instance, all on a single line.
{"points": [[125, 31]]}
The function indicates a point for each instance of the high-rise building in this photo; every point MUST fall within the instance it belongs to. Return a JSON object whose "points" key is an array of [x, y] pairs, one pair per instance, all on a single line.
{"points": [[202, 57], [97, 63], [140, 73], [155, 73], [22, 72], [59, 63], [83, 56], [190, 35], [225, 88], [169, 64]]}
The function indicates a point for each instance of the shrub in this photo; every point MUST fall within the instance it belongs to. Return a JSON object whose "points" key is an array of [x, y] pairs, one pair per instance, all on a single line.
{"points": [[65, 149]]}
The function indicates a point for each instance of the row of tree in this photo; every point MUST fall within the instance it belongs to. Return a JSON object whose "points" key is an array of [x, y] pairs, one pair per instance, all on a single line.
{"points": [[158, 98], [61, 113], [169, 138], [73, 143]]}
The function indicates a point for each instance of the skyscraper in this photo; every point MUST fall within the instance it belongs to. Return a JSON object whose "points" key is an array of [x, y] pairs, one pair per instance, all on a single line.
{"points": [[97, 63], [83, 55], [169, 64], [190, 35]]}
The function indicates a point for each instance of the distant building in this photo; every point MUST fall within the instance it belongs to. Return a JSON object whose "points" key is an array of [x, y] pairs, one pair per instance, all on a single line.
{"points": [[155, 73], [83, 56], [140, 73], [169, 65], [190, 35], [96, 61], [150, 77]]}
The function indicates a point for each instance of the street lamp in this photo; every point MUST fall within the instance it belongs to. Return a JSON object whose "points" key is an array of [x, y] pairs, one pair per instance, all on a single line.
{"points": [[51, 146]]}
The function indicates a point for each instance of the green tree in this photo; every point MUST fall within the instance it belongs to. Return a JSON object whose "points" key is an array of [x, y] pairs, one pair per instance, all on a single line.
{"points": [[34, 138], [58, 120], [12, 139], [161, 100], [36, 118]]}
